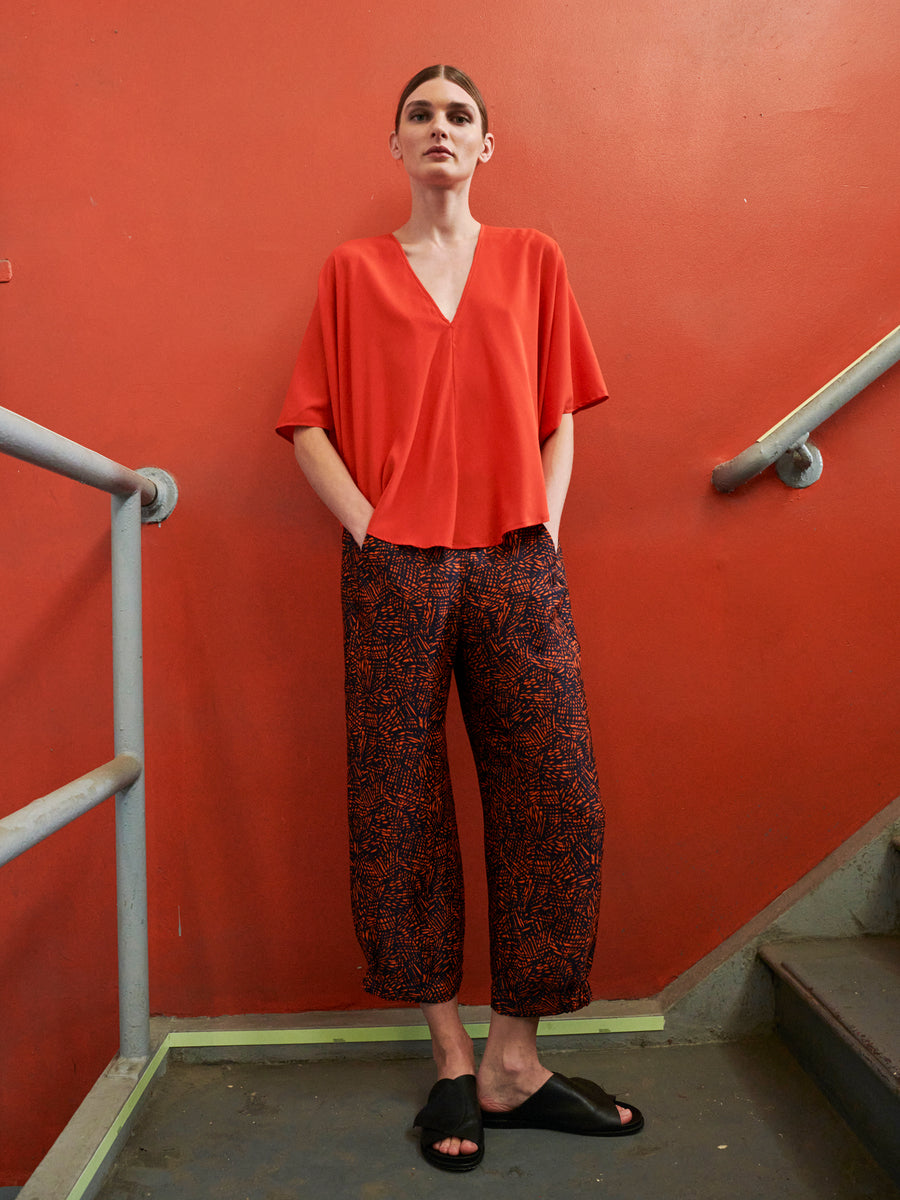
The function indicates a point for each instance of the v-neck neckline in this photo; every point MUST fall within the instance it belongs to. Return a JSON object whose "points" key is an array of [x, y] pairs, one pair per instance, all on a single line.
{"points": [[434, 304]]}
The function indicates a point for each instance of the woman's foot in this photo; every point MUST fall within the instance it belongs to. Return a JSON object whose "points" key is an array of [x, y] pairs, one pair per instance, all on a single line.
{"points": [[510, 1071], [452, 1109], [454, 1055], [568, 1106], [509, 1095], [502, 1092]]}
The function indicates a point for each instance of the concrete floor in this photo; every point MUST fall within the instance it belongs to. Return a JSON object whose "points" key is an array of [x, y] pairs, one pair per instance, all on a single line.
{"points": [[723, 1122]]}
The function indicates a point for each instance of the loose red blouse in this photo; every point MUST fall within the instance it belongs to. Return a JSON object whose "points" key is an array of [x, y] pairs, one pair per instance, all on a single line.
{"points": [[440, 423]]}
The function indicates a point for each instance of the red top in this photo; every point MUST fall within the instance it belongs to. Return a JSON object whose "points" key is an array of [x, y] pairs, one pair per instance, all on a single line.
{"points": [[440, 423]]}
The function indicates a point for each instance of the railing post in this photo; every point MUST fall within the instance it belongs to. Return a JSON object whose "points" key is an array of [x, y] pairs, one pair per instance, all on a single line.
{"points": [[131, 855]]}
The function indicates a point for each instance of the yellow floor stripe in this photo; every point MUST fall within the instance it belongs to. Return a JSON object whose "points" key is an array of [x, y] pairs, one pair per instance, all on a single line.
{"points": [[398, 1033], [87, 1175], [324, 1037]]}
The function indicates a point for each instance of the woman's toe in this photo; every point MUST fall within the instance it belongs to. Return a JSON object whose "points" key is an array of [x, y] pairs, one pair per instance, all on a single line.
{"points": [[453, 1147]]}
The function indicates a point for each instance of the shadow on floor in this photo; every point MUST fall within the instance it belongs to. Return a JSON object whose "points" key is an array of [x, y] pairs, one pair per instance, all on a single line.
{"points": [[724, 1122]]}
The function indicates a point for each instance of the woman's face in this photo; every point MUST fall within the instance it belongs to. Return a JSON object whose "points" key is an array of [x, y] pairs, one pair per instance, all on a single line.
{"points": [[439, 138]]}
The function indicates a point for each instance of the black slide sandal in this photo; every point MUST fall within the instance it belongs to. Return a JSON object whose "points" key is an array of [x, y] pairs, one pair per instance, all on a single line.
{"points": [[569, 1106], [452, 1111]]}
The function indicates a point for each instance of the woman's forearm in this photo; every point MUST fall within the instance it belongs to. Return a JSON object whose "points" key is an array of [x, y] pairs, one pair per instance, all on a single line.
{"points": [[331, 481], [557, 454]]}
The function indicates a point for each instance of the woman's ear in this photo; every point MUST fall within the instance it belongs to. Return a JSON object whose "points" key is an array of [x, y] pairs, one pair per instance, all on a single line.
{"points": [[394, 143], [488, 148]]}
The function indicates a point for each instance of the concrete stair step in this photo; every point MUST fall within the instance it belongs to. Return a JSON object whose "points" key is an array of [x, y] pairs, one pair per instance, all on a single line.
{"points": [[837, 1006]]}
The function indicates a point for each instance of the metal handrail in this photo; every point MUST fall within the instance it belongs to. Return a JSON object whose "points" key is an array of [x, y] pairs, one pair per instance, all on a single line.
{"points": [[29, 825], [33, 443], [799, 462], [154, 491]]}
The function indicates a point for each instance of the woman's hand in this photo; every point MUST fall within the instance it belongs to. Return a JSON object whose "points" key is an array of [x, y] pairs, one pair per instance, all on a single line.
{"points": [[359, 533]]}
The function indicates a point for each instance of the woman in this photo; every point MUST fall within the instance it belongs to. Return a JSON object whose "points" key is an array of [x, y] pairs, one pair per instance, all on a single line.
{"points": [[431, 411]]}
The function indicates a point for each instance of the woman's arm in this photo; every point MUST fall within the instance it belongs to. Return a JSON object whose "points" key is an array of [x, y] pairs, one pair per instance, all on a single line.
{"points": [[331, 481], [556, 456]]}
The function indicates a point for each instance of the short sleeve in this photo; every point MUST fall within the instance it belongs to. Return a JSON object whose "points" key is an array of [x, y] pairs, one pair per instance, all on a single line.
{"points": [[569, 377], [308, 400]]}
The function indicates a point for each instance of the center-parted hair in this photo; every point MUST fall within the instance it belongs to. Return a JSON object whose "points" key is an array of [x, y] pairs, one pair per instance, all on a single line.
{"points": [[442, 71]]}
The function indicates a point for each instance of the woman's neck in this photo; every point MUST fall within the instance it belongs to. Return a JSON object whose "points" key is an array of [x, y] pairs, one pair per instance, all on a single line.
{"points": [[439, 215]]}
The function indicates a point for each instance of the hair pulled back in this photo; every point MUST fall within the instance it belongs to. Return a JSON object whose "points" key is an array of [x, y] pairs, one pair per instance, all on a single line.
{"points": [[442, 71]]}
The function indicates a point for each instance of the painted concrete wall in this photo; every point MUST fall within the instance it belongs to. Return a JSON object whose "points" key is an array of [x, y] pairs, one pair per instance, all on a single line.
{"points": [[722, 179]]}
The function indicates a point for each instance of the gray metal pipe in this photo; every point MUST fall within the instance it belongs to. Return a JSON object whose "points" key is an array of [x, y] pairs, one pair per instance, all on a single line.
{"points": [[25, 440], [131, 853], [21, 830], [811, 413], [148, 495]]}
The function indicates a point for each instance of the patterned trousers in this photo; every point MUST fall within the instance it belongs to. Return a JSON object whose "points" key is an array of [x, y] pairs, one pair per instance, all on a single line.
{"points": [[499, 619]]}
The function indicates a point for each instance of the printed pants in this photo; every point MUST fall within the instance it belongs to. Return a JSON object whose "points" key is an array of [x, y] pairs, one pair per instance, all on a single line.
{"points": [[499, 619]]}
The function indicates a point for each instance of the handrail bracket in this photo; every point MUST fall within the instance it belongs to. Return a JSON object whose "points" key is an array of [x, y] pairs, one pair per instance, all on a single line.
{"points": [[800, 465]]}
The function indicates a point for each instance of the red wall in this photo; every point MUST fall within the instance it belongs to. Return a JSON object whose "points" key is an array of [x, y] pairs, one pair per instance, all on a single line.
{"points": [[722, 179]]}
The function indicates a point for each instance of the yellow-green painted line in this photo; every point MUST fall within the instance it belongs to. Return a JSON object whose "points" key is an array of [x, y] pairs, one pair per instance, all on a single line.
{"points": [[398, 1033], [298, 1037], [324, 1037], [96, 1161], [640, 1024]]}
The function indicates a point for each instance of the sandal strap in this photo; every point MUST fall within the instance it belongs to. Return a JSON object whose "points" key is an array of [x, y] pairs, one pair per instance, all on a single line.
{"points": [[579, 1105], [452, 1110]]}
